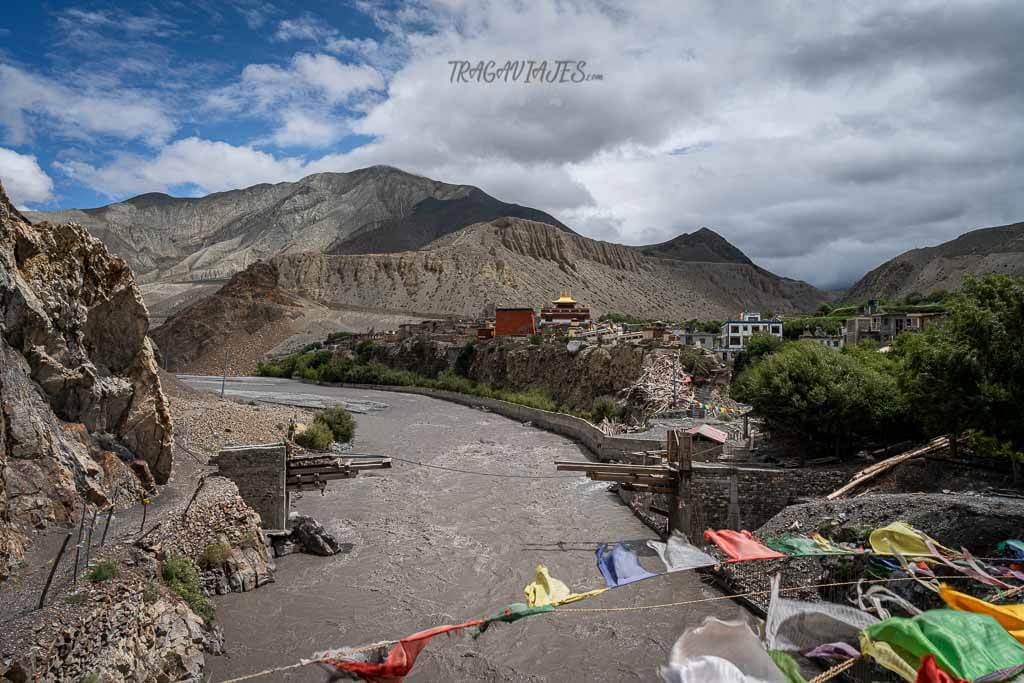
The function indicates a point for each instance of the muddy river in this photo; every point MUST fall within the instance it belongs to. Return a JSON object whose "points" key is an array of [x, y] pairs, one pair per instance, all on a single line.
{"points": [[429, 546]]}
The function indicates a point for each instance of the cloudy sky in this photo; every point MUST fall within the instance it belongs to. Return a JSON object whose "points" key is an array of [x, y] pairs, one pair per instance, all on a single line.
{"points": [[820, 137]]}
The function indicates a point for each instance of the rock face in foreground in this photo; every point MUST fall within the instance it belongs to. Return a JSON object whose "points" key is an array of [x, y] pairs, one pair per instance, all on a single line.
{"points": [[75, 364]]}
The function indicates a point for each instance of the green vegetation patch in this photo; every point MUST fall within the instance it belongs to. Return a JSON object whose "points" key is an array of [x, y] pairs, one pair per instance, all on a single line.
{"points": [[339, 421], [316, 437], [104, 570], [181, 576]]}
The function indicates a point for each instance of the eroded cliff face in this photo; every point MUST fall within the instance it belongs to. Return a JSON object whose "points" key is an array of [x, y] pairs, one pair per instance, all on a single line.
{"points": [[75, 362]]}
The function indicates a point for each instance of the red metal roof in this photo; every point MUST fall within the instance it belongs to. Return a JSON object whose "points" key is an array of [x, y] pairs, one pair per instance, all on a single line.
{"points": [[709, 432]]}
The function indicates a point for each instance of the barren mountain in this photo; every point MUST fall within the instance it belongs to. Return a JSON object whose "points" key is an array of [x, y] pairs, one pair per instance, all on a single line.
{"points": [[376, 209], [511, 261], [703, 245], [232, 328], [988, 250]]}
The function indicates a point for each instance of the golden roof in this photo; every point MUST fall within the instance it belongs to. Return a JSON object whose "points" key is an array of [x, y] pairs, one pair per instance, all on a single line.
{"points": [[564, 298]]}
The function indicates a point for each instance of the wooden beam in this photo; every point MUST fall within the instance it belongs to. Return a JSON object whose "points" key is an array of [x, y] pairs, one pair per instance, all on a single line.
{"points": [[631, 478], [570, 466], [869, 473]]}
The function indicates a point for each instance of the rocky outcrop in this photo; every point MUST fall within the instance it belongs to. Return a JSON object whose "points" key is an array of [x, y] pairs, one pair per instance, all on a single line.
{"points": [[75, 361], [572, 379]]}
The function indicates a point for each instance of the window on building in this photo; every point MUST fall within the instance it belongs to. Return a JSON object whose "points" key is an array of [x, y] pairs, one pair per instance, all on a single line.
{"points": [[776, 329], [746, 328], [735, 341], [735, 329]]}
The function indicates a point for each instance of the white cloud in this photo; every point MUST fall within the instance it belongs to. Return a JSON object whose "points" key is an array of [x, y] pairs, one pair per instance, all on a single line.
{"points": [[23, 178], [818, 138], [77, 112], [210, 166], [302, 129]]}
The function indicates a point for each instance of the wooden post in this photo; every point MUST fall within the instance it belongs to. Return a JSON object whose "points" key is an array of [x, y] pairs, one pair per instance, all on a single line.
{"points": [[53, 570], [682, 445], [88, 542], [106, 526]]}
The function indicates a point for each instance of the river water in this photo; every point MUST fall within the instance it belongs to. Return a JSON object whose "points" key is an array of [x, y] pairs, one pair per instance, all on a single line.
{"points": [[430, 547]]}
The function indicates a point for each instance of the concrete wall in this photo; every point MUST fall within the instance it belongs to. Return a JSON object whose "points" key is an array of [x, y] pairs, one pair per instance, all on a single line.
{"points": [[259, 472]]}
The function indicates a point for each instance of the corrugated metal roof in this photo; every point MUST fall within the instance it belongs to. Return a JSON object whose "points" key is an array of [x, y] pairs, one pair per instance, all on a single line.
{"points": [[709, 432]]}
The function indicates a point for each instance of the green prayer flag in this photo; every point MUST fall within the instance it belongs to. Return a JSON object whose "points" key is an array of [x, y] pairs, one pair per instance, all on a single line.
{"points": [[787, 665], [965, 644]]}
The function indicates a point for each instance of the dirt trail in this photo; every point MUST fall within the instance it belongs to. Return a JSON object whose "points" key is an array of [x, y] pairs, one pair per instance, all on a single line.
{"points": [[430, 547]]}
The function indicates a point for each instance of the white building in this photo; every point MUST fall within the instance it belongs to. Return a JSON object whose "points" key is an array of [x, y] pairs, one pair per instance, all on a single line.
{"points": [[737, 333], [819, 336]]}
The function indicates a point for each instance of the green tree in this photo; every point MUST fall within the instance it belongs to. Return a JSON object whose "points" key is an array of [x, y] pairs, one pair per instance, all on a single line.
{"points": [[758, 346], [969, 372], [830, 398]]}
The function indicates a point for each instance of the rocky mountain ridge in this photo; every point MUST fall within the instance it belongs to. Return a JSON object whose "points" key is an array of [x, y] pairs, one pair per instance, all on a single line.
{"points": [[512, 261], [944, 266], [375, 209]]}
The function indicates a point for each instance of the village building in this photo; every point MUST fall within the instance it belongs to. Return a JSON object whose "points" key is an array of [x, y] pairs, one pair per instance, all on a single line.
{"points": [[735, 334], [514, 322], [564, 311], [883, 327], [703, 340], [820, 336]]}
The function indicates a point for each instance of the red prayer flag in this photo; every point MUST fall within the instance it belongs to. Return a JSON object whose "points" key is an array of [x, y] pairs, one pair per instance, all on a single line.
{"points": [[400, 659], [740, 545], [931, 673]]}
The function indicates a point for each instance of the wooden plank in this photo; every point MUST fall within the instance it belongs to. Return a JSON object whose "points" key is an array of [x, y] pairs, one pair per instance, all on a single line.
{"points": [[569, 466], [869, 473], [631, 478]]}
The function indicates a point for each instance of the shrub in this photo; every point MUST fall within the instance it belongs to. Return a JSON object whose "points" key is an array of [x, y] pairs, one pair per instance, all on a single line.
{"points": [[180, 575], [214, 555], [150, 593], [536, 339], [317, 437], [605, 407], [465, 359], [105, 569], [339, 421]]}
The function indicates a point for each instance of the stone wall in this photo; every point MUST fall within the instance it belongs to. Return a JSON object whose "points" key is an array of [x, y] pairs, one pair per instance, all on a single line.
{"points": [[259, 472], [763, 491]]}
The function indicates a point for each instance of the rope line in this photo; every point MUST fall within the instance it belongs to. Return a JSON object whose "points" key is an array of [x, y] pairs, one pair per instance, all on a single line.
{"points": [[839, 668], [558, 610]]}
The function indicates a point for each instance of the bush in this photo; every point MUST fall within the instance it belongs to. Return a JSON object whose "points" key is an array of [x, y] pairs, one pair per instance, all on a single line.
{"points": [[214, 555], [106, 569], [339, 421], [536, 339], [150, 593], [180, 575], [465, 359], [605, 407], [317, 437]]}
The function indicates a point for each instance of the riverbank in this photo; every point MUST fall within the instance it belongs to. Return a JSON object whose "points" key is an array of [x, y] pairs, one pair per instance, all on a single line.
{"points": [[428, 546]]}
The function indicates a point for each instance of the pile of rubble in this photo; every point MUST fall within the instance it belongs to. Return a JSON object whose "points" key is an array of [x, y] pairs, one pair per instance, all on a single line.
{"points": [[663, 385]]}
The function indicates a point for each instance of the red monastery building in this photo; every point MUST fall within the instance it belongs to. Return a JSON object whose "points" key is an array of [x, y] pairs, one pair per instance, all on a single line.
{"points": [[565, 311]]}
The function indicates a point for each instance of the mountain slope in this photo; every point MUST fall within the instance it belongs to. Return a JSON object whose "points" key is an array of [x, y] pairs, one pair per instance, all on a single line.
{"points": [[703, 245], [380, 209], [512, 261], [988, 250]]}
